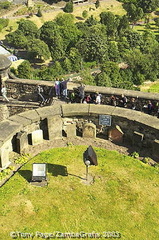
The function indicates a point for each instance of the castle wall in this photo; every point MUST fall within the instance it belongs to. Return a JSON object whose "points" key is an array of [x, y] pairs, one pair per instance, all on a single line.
{"points": [[53, 120]]}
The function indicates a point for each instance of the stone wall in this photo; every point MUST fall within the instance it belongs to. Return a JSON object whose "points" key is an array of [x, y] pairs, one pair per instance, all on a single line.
{"points": [[26, 90], [52, 121]]}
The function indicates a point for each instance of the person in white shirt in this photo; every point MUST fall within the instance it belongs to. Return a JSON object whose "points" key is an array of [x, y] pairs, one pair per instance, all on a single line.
{"points": [[4, 92], [98, 98]]}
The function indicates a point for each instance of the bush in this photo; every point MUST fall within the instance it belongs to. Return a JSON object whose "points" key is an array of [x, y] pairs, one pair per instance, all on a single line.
{"points": [[5, 5], [135, 155], [68, 7], [39, 13], [85, 14]]}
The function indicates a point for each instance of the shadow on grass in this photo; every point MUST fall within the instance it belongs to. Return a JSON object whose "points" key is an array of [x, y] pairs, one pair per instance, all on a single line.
{"points": [[27, 174], [56, 170]]}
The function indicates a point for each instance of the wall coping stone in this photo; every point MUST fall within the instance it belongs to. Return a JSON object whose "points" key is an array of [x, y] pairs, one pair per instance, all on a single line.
{"points": [[8, 129], [31, 115], [75, 109], [88, 88], [48, 111], [132, 115], [21, 120]]}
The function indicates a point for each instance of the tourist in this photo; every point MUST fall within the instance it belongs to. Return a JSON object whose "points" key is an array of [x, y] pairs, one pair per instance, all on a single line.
{"points": [[40, 94], [98, 98], [81, 92], [133, 104], [113, 101], [149, 107], [123, 101], [4, 93], [64, 87], [57, 87]]}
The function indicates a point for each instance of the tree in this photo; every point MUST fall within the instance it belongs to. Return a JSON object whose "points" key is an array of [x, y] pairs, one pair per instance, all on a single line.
{"points": [[102, 79], [66, 65], [112, 71], [134, 12], [87, 77], [85, 14], [93, 46], [39, 13], [97, 4], [68, 30], [75, 58], [91, 21], [28, 28], [51, 35], [25, 70], [68, 7], [38, 49], [113, 52], [17, 39], [110, 21]]}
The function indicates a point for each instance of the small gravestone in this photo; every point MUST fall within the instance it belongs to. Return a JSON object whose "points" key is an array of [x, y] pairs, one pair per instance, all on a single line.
{"points": [[37, 137], [22, 141], [4, 155], [71, 130], [138, 138], [116, 134], [155, 148], [89, 130], [54, 125]]}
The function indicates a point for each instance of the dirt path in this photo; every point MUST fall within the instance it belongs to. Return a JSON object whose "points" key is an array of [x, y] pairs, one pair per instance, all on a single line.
{"points": [[147, 85]]}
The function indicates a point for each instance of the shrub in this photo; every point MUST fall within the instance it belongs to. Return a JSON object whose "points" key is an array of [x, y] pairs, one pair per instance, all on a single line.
{"points": [[68, 7], [85, 14], [135, 155]]}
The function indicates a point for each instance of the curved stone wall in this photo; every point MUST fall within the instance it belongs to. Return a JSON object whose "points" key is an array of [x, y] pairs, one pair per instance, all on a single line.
{"points": [[31, 127]]}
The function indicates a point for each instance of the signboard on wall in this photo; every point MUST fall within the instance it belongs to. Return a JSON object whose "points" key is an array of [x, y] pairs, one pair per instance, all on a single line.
{"points": [[105, 120]]}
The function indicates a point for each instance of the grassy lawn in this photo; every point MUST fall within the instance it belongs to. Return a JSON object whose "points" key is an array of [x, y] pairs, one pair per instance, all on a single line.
{"points": [[123, 198], [108, 5], [150, 87]]}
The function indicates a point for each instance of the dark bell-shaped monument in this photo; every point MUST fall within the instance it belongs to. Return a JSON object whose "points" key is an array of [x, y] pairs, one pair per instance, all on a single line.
{"points": [[90, 157]]}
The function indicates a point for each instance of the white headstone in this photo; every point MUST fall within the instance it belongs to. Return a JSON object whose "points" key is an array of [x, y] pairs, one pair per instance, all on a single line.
{"points": [[37, 137]]}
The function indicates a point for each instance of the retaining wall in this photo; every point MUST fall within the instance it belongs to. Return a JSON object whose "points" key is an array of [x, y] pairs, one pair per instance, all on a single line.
{"points": [[16, 132]]}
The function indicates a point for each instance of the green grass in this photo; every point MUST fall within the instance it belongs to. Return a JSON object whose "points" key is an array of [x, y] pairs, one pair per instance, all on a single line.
{"points": [[154, 88], [123, 198]]}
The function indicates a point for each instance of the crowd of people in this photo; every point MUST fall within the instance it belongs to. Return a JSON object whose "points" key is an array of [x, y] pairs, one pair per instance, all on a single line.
{"points": [[78, 95]]}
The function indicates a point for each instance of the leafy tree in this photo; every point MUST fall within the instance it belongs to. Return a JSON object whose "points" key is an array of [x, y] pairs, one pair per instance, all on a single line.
{"points": [[111, 21], [91, 21], [134, 12], [149, 43], [39, 13], [134, 38], [148, 6], [51, 35], [66, 65], [93, 46], [85, 14], [75, 58], [68, 30], [5, 5], [3, 23], [113, 52], [87, 77], [68, 7], [102, 79], [17, 39], [28, 28], [97, 4], [112, 71], [38, 49], [25, 70]]}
